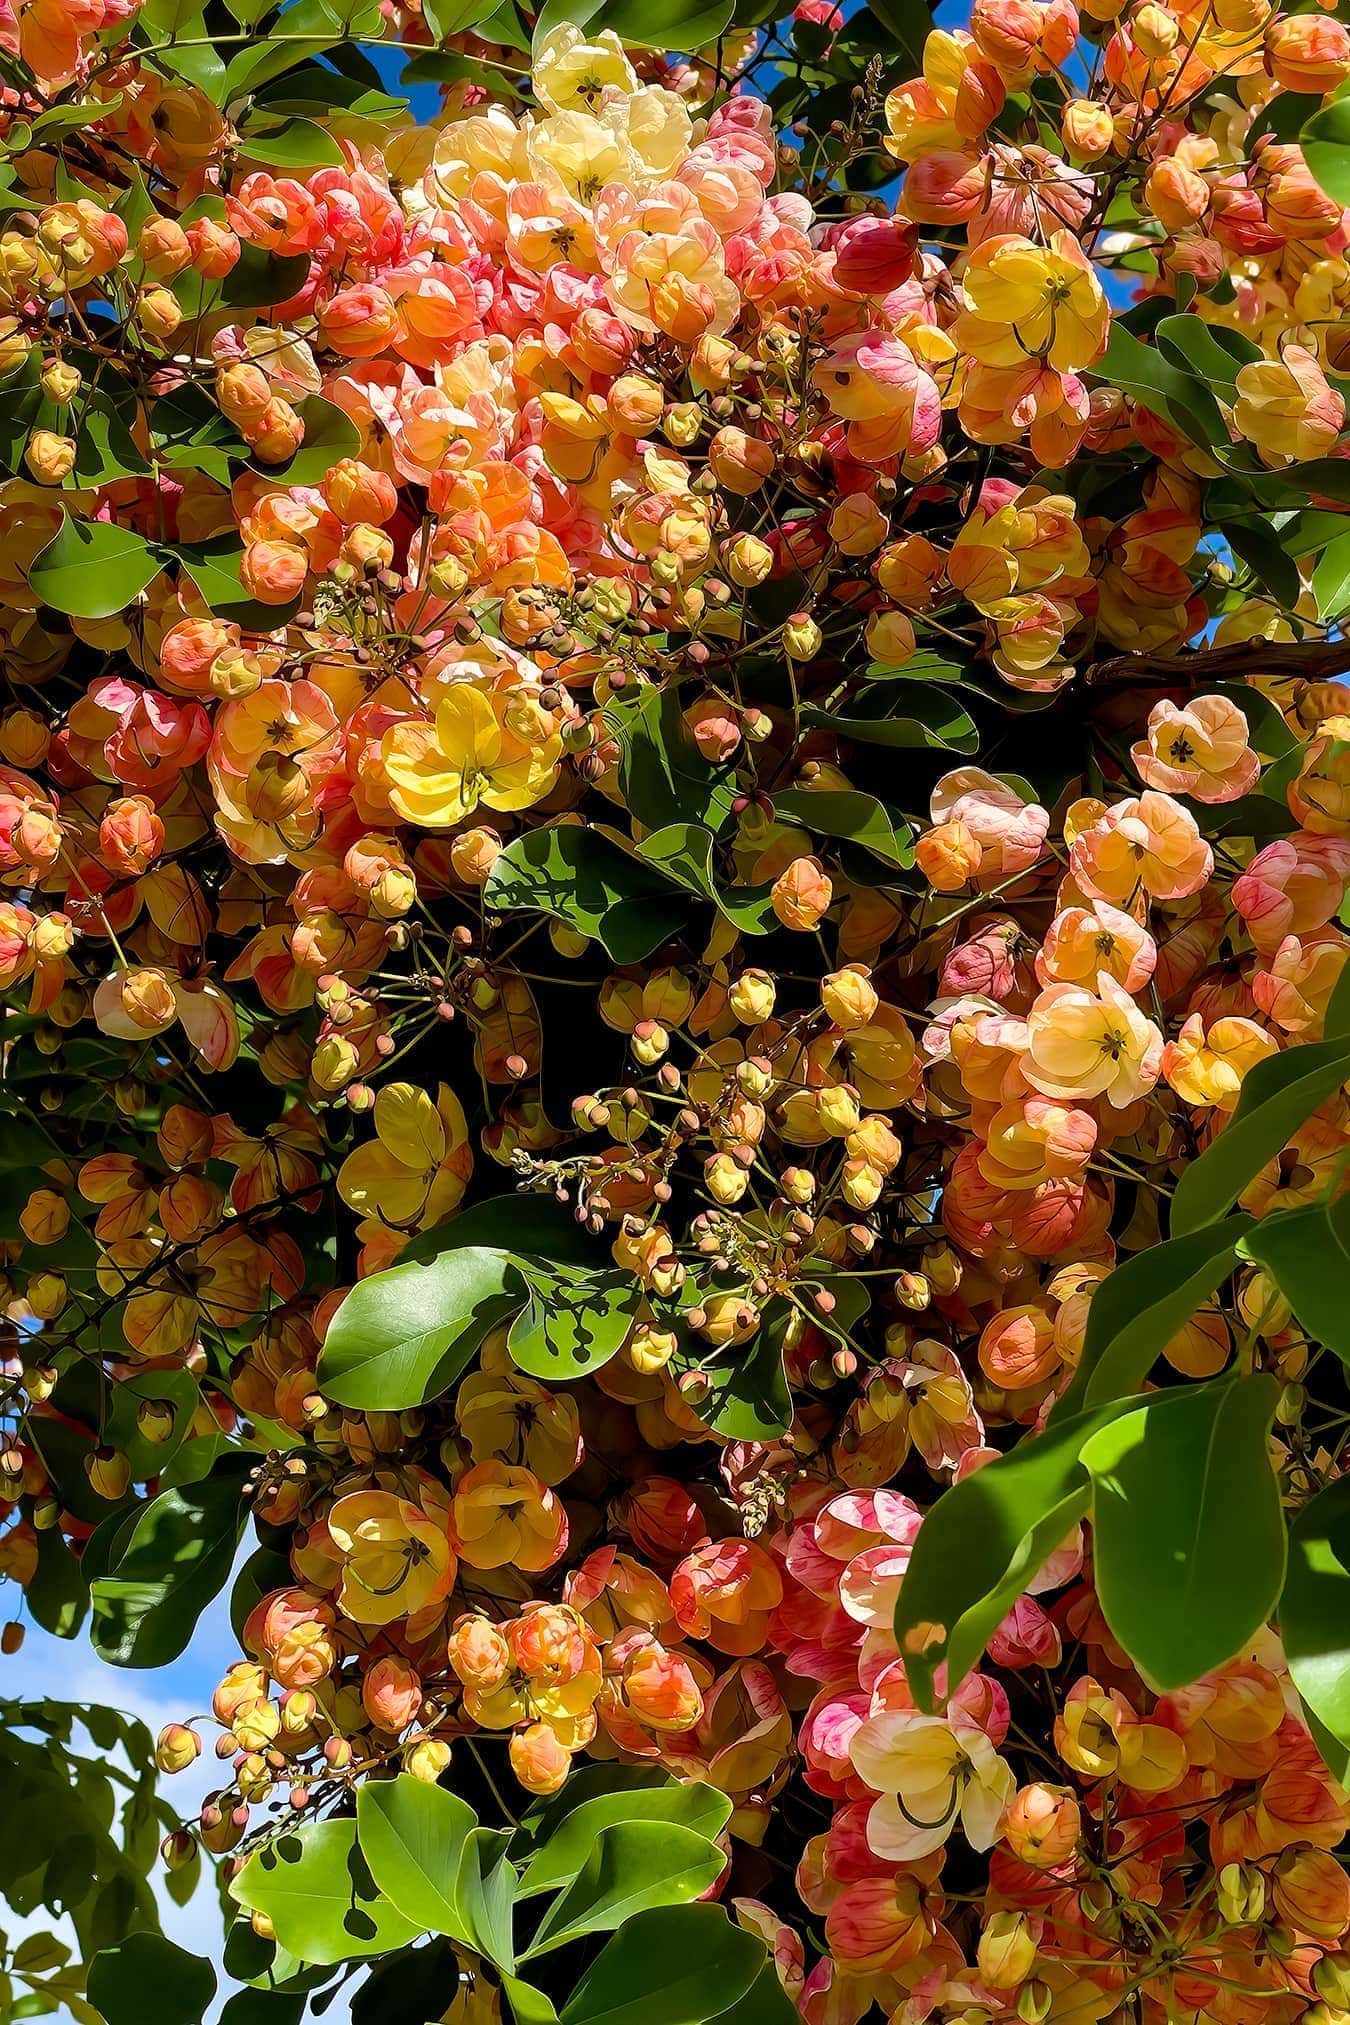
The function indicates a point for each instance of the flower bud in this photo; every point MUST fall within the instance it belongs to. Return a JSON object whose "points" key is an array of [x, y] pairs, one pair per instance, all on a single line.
{"points": [[1007, 1950], [177, 1747], [801, 637], [802, 894], [61, 382], [49, 457], [538, 1760]]}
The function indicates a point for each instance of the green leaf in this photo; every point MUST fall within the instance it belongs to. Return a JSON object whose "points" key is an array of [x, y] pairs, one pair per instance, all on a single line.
{"points": [[631, 1867], [528, 2005], [1140, 1307], [681, 25], [403, 1336], [317, 1891], [684, 852], [58, 1594], [982, 1543], [1325, 141], [907, 23], [1176, 393], [664, 777], [485, 1890], [579, 877], [764, 2003], [908, 715], [1315, 1607], [413, 1837], [92, 569], [149, 1980], [1255, 544], [750, 1398], [1207, 351], [177, 1558], [1331, 578], [1307, 1254], [1277, 1096], [570, 1327], [852, 817], [176, 1391], [189, 433], [297, 144], [566, 1827], [682, 1965], [1188, 1542]]}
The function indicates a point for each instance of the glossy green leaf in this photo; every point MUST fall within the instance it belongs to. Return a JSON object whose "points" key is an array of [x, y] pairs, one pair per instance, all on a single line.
{"points": [[681, 25], [684, 852], [1325, 141], [630, 1868], [1140, 1307], [1277, 1095], [413, 1837], [664, 776], [485, 1891], [564, 1834], [1209, 351], [577, 876], [909, 715], [91, 569], [529, 2006], [149, 1980], [177, 1558], [851, 817], [1177, 393], [681, 1965], [750, 1398], [764, 2003], [300, 145], [58, 1593], [1315, 1608], [403, 1336], [982, 1543], [1331, 578], [1188, 1540], [570, 1327], [1307, 1254], [314, 1886], [173, 1393]]}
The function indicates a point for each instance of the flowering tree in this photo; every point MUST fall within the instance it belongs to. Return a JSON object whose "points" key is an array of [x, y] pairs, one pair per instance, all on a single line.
{"points": [[675, 818]]}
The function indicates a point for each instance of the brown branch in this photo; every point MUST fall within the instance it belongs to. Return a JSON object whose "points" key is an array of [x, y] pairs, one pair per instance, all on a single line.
{"points": [[1314, 660]]}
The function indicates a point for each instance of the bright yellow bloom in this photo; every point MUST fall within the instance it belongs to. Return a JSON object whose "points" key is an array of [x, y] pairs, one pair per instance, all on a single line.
{"points": [[1027, 301], [395, 1560], [440, 772], [413, 1173], [1081, 1045], [1207, 1069], [506, 1416]]}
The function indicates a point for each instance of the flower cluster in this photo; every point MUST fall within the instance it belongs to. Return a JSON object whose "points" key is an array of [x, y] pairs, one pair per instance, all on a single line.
{"points": [[666, 769]]}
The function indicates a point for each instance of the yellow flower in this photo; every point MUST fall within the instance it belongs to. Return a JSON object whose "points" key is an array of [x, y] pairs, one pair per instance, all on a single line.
{"points": [[439, 772], [1026, 301], [1080, 1045], [413, 1173], [505, 1416], [1286, 407], [1207, 1069], [930, 1774], [394, 1559], [570, 71]]}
